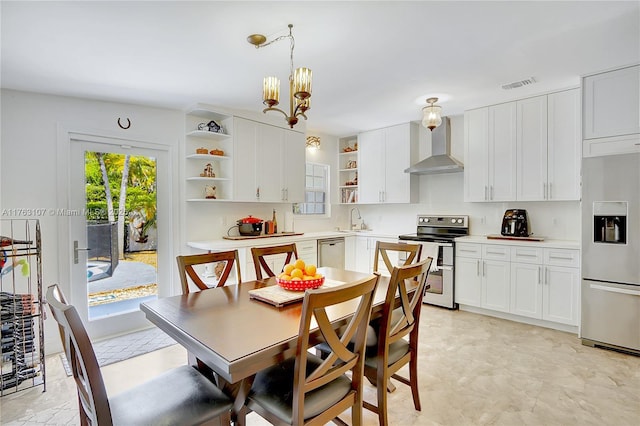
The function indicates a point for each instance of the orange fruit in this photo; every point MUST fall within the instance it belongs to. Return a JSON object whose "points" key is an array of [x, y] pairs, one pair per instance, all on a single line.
{"points": [[310, 270], [297, 273], [296, 279], [300, 264], [285, 277], [317, 276], [288, 268], [308, 278]]}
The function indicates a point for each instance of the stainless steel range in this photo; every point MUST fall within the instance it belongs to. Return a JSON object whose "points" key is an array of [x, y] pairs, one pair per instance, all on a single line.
{"points": [[437, 234]]}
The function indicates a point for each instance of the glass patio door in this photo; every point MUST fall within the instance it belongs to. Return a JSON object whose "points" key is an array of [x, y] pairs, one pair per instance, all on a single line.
{"points": [[119, 240]]}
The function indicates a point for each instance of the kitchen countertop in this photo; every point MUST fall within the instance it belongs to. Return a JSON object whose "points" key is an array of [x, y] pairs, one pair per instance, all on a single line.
{"points": [[547, 243], [223, 244]]}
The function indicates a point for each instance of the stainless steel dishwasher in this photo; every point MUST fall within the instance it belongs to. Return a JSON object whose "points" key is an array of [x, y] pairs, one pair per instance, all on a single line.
{"points": [[331, 252]]}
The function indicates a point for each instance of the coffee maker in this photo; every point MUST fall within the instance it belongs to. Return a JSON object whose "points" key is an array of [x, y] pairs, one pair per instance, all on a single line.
{"points": [[515, 223]]}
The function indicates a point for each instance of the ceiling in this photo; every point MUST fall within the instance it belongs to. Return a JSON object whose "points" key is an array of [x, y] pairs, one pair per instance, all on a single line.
{"points": [[374, 63]]}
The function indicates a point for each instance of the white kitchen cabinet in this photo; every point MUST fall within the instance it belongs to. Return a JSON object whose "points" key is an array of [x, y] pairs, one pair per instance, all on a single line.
{"points": [[527, 150], [560, 294], [531, 149], [476, 154], [611, 104], [482, 276], [563, 145], [533, 282], [496, 276], [526, 291], [384, 154], [308, 251], [203, 168], [468, 290], [275, 263], [365, 249], [269, 163], [490, 159], [548, 147]]}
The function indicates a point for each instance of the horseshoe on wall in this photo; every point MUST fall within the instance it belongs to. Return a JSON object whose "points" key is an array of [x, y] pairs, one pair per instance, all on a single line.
{"points": [[124, 127]]}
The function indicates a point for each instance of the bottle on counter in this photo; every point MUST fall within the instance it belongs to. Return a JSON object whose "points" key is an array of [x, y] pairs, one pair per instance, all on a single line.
{"points": [[275, 222]]}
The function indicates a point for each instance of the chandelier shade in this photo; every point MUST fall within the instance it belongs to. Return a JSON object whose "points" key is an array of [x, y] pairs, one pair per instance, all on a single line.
{"points": [[299, 84]]}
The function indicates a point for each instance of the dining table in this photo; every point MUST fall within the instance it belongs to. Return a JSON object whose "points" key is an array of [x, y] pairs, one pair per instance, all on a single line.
{"points": [[228, 332]]}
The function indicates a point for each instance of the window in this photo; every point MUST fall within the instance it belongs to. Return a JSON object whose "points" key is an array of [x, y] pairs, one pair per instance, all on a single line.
{"points": [[316, 195]]}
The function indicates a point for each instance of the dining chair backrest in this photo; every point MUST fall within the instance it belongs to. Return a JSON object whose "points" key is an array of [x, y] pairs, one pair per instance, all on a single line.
{"points": [[193, 398], [406, 289], [92, 394], [343, 356], [411, 253], [186, 268], [260, 263]]}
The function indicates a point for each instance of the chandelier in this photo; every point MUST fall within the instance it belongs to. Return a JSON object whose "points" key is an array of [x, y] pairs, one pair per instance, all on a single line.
{"points": [[432, 114], [299, 84]]}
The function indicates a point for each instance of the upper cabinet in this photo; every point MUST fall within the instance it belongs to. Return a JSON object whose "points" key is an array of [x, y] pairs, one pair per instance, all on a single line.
{"points": [[611, 108], [527, 150], [490, 154], [269, 163], [208, 151], [383, 155]]}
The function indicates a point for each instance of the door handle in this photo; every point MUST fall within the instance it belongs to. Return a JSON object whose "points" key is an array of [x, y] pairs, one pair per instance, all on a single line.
{"points": [[539, 274], [76, 249], [491, 193], [477, 267], [549, 191], [485, 193]]}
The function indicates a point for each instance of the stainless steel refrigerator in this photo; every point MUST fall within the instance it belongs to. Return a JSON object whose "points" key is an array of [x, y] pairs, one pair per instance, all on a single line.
{"points": [[610, 314]]}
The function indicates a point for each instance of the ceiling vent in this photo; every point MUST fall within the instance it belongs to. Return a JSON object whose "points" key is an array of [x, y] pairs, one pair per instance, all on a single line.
{"points": [[520, 83]]}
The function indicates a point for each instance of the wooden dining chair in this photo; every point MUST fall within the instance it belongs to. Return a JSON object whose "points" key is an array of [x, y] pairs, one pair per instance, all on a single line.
{"points": [[187, 270], [307, 390], [260, 263], [411, 253], [395, 326], [180, 396]]}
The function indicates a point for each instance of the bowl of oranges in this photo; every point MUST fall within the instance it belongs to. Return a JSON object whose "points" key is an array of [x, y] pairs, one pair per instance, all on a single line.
{"points": [[299, 276]]}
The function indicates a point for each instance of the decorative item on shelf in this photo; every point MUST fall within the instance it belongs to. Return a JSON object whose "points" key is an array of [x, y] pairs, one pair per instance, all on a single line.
{"points": [[432, 114], [313, 142], [352, 164], [217, 152], [299, 84], [202, 151], [210, 192], [211, 126], [350, 148], [208, 171], [352, 182]]}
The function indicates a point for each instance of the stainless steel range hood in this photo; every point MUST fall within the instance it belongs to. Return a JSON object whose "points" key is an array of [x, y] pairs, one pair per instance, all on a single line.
{"points": [[441, 160]]}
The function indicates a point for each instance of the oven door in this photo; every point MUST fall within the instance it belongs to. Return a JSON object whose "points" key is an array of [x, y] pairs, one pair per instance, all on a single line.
{"points": [[440, 279]]}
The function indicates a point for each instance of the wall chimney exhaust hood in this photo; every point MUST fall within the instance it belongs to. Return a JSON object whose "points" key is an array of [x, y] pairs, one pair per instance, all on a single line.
{"points": [[441, 160]]}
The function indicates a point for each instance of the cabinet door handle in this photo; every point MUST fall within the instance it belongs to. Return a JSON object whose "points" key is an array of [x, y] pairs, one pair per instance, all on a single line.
{"points": [[258, 192], [485, 193], [491, 192], [549, 191], [539, 274], [560, 257], [477, 267], [484, 264]]}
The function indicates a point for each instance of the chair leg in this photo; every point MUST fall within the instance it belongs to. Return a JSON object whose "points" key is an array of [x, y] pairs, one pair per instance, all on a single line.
{"points": [[381, 389], [413, 376]]}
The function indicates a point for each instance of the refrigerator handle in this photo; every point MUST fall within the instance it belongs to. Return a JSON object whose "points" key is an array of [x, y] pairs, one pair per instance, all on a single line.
{"points": [[615, 289]]}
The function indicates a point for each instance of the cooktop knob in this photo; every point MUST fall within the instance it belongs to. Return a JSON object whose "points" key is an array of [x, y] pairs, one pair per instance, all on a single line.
{"points": [[453, 221], [459, 220], [426, 219]]}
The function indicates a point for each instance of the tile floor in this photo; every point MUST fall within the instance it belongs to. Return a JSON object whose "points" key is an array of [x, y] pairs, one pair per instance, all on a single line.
{"points": [[475, 370]]}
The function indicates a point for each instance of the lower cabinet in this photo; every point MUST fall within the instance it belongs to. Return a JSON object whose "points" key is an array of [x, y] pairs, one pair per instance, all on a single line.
{"points": [[533, 282], [365, 249], [307, 251]]}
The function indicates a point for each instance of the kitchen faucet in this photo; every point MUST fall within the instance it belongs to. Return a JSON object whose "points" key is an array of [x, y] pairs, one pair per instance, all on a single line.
{"points": [[351, 224]]}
